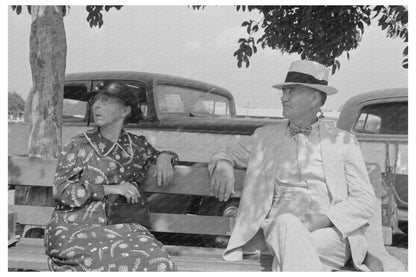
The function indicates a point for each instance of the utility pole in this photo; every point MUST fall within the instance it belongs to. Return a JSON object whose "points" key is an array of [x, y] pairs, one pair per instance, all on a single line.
{"points": [[248, 108]]}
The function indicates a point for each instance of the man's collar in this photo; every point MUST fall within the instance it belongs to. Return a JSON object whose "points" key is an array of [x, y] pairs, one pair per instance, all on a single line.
{"points": [[307, 131]]}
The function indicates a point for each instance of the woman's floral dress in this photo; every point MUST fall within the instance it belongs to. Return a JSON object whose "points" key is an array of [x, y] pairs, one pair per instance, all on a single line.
{"points": [[77, 237]]}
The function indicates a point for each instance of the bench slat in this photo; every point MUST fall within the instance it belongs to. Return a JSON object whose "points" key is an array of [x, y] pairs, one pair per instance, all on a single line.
{"points": [[37, 261], [35, 245], [187, 180], [190, 180], [160, 222], [29, 254], [32, 261], [23, 170]]}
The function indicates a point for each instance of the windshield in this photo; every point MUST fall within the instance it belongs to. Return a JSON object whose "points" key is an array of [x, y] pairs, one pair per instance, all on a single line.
{"points": [[191, 101]]}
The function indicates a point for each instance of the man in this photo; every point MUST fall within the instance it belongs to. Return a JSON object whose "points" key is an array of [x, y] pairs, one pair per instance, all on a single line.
{"points": [[306, 190]]}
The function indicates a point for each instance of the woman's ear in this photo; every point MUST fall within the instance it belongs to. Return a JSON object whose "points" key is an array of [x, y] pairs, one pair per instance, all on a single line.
{"points": [[126, 111]]}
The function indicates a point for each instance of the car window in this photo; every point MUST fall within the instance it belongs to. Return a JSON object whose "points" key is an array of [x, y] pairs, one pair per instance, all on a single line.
{"points": [[75, 106], [191, 101], [385, 118], [74, 110]]}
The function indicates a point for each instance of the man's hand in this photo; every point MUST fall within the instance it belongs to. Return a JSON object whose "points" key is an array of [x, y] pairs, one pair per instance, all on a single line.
{"points": [[164, 170], [222, 180], [315, 222]]}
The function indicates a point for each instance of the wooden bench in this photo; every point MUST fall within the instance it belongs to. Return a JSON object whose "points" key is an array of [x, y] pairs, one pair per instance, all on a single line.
{"points": [[29, 253]]}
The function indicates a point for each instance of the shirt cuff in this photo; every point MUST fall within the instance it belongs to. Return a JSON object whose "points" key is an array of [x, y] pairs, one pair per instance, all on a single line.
{"points": [[174, 159]]}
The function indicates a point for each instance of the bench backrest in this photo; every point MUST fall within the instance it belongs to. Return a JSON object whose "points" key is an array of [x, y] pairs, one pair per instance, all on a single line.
{"points": [[188, 179]]}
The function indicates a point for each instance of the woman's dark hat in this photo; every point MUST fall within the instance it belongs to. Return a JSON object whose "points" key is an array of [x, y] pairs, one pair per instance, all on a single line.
{"points": [[309, 74], [124, 93]]}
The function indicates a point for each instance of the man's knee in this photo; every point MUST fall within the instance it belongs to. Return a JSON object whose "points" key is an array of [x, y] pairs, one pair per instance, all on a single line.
{"points": [[285, 221], [328, 239]]}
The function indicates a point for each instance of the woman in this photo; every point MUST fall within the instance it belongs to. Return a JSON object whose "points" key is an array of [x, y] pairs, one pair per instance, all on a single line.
{"points": [[100, 165]]}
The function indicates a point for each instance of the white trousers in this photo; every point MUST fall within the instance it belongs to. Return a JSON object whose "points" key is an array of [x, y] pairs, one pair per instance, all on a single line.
{"points": [[295, 248]]}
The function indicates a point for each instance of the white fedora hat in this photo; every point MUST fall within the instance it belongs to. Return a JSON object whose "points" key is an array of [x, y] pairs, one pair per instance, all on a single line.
{"points": [[309, 74]]}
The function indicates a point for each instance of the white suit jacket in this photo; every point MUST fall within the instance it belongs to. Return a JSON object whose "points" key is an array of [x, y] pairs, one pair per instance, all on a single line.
{"points": [[352, 196]]}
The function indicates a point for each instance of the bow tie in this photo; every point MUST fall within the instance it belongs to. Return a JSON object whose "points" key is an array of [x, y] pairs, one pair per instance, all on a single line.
{"points": [[294, 130]]}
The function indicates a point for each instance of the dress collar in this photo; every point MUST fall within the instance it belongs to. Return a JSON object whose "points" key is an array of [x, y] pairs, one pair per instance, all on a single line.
{"points": [[103, 146]]}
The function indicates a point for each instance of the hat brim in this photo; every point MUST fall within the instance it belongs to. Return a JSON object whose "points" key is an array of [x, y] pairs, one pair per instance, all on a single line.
{"points": [[325, 89]]}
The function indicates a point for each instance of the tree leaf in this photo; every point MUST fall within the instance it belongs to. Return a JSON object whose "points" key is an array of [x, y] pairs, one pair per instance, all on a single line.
{"points": [[239, 63], [405, 63], [334, 69]]}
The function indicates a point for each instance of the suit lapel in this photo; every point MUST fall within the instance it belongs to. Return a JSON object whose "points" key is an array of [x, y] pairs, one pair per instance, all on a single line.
{"points": [[330, 155], [272, 149]]}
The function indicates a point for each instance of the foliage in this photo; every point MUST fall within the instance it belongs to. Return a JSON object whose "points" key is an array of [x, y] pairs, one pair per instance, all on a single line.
{"points": [[394, 19], [16, 103], [94, 18], [318, 33]]}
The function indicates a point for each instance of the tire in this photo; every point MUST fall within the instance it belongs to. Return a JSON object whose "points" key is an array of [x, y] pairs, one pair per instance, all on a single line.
{"points": [[212, 206]]}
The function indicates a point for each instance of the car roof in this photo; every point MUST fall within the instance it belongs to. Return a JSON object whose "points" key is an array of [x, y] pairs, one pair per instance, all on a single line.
{"points": [[146, 77], [351, 109], [378, 94]]}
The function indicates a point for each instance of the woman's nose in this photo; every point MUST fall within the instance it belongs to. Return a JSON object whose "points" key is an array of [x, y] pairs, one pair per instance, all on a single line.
{"points": [[97, 103]]}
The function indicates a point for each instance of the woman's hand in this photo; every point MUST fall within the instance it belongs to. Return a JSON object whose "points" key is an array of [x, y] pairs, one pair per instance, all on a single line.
{"points": [[164, 170], [126, 189]]}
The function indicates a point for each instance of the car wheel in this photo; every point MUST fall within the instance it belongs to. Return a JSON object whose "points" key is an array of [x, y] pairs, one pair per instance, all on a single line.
{"points": [[212, 206]]}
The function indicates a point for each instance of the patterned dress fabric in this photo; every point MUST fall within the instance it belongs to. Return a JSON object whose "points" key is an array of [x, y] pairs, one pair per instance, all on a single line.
{"points": [[77, 237]]}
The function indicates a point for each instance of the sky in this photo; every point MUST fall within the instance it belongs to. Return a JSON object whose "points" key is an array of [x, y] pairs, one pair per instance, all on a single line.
{"points": [[180, 41]]}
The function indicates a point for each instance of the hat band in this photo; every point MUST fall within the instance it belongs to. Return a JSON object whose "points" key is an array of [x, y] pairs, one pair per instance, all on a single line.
{"points": [[298, 77]]}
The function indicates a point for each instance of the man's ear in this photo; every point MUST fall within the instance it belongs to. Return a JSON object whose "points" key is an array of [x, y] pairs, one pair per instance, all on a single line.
{"points": [[316, 99]]}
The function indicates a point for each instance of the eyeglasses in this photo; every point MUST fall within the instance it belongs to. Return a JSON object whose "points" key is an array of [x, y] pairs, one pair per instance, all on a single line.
{"points": [[289, 92]]}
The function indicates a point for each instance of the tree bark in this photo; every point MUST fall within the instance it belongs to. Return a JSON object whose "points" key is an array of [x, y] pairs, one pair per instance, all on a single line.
{"points": [[47, 61]]}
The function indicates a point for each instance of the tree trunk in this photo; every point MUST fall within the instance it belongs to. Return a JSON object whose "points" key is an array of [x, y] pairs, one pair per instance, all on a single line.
{"points": [[47, 62]]}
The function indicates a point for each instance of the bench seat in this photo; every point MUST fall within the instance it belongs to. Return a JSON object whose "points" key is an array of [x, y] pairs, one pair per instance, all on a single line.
{"points": [[29, 254]]}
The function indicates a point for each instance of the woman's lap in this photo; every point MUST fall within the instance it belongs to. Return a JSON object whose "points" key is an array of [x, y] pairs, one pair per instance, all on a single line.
{"points": [[112, 247]]}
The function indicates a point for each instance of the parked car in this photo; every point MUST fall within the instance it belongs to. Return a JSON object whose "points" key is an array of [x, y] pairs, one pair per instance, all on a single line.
{"points": [[379, 119], [188, 116]]}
